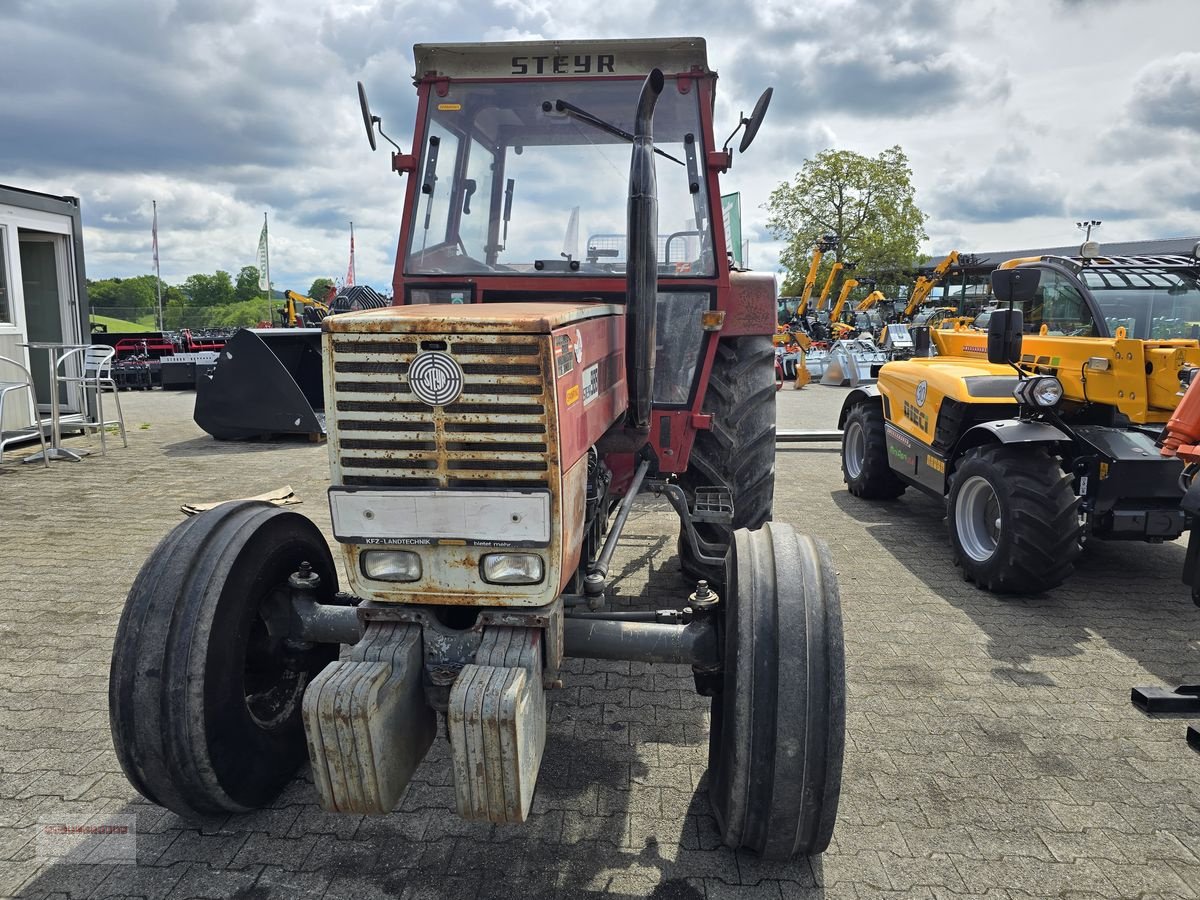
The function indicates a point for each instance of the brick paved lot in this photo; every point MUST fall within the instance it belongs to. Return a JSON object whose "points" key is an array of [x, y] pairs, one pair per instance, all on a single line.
{"points": [[991, 747]]}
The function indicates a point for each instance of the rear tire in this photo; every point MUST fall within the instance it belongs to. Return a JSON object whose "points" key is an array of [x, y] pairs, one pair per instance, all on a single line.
{"points": [[777, 734], [1013, 518], [865, 467], [739, 451], [204, 702]]}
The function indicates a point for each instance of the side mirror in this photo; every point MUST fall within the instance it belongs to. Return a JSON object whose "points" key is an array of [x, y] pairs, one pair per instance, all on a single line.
{"points": [[368, 119], [755, 120], [1004, 336], [1015, 285]]}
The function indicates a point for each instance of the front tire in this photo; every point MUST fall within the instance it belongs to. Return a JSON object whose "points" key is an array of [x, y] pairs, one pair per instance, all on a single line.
{"points": [[777, 732], [1013, 517], [205, 695], [865, 467]]}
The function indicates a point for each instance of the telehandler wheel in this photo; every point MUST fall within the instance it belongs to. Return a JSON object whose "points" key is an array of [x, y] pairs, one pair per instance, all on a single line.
{"points": [[204, 700], [1013, 517], [778, 727], [739, 451], [865, 467]]}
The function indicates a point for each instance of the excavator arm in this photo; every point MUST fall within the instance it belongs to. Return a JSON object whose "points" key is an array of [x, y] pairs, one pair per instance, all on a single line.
{"points": [[833, 274], [925, 286], [294, 299], [810, 281], [872, 298], [847, 286], [825, 244]]}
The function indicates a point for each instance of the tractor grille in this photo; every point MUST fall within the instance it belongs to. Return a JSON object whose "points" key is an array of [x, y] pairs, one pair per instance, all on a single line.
{"points": [[498, 434]]}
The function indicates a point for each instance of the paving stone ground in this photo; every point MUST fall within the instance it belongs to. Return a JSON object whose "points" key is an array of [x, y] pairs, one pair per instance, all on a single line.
{"points": [[991, 748]]}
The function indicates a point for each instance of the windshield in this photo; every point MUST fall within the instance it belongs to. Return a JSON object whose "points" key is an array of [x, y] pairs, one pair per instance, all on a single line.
{"points": [[532, 178], [1151, 304]]}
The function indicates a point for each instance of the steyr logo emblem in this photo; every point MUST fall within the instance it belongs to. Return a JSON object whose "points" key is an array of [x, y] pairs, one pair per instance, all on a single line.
{"points": [[435, 378], [922, 390]]}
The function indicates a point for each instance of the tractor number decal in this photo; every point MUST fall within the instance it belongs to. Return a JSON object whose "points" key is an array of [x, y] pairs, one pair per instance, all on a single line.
{"points": [[576, 64], [914, 415], [936, 464], [591, 383], [564, 358]]}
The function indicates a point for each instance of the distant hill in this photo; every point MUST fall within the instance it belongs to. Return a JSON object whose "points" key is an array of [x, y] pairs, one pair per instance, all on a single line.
{"points": [[119, 325]]}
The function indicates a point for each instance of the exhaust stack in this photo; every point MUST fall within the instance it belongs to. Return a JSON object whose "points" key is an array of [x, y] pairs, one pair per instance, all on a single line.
{"points": [[641, 258]]}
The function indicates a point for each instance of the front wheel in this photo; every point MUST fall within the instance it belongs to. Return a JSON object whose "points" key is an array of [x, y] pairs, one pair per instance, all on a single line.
{"points": [[1013, 517], [205, 690], [778, 725], [865, 467]]}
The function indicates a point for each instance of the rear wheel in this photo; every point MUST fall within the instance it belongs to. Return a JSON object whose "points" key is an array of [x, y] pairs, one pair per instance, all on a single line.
{"points": [[778, 726], [1013, 518], [204, 691], [738, 452], [865, 467]]}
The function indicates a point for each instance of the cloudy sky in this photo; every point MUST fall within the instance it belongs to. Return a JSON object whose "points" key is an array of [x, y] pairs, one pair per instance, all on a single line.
{"points": [[1019, 116]]}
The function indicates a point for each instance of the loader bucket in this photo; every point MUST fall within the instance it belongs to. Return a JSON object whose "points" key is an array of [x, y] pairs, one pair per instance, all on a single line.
{"points": [[267, 381]]}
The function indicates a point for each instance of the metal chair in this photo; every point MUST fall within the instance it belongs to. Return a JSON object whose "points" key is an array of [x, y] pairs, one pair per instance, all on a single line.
{"points": [[15, 378], [89, 369]]}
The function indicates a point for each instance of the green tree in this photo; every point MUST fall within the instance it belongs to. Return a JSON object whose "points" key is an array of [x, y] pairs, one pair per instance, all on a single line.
{"points": [[247, 284], [210, 290], [320, 287], [867, 202], [245, 313]]}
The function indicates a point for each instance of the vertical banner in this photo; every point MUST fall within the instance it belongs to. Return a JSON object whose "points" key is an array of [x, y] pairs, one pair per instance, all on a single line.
{"points": [[157, 271], [263, 259], [731, 214]]}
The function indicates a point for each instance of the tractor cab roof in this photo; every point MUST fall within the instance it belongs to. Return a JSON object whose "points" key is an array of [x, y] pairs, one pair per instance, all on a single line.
{"points": [[1079, 263], [551, 59]]}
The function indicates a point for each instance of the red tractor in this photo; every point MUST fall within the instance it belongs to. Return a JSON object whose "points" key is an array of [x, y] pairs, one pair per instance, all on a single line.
{"points": [[488, 437]]}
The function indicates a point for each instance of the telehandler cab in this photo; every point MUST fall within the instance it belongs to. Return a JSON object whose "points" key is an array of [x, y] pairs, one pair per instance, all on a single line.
{"points": [[488, 436], [1042, 431]]}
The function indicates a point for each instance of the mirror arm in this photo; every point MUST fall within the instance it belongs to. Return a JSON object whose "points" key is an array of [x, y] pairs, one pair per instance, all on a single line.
{"points": [[378, 123], [742, 120]]}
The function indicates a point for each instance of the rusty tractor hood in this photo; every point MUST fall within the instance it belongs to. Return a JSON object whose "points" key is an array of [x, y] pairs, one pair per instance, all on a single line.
{"points": [[468, 318]]}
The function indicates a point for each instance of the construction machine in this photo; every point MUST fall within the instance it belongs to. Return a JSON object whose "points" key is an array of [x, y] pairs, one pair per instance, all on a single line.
{"points": [[848, 285], [824, 245], [834, 271], [869, 301], [1040, 433], [925, 285], [313, 311], [485, 458]]}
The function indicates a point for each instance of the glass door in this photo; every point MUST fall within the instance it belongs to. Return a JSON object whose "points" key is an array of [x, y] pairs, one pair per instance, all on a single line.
{"points": [[47, 304]]}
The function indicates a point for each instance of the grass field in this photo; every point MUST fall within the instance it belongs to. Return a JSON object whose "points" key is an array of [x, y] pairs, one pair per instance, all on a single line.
{"points": [[119, 325]]}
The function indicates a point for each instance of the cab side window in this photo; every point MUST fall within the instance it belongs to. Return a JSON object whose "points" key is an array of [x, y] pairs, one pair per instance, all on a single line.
{"points": [[1059, 306]]}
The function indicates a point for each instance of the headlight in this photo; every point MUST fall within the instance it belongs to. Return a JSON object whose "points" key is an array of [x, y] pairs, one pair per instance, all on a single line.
{"points": [[512, 568], [391, 565], [1040, 390]]}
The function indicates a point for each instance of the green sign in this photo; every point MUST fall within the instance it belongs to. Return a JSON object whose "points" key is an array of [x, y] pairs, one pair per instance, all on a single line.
{"points": [[731, 213]]}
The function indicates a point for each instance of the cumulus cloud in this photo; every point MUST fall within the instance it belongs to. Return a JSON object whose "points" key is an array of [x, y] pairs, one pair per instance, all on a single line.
{"points": [[1162, 113], [1009, 189], [222, 109]]}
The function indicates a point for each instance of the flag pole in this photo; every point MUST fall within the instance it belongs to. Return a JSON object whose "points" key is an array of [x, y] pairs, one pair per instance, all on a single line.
{"points": [[157, 270]]}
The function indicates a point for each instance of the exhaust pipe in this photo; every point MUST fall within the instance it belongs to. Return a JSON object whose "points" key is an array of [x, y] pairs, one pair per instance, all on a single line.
{"points": [[641, 258]]}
